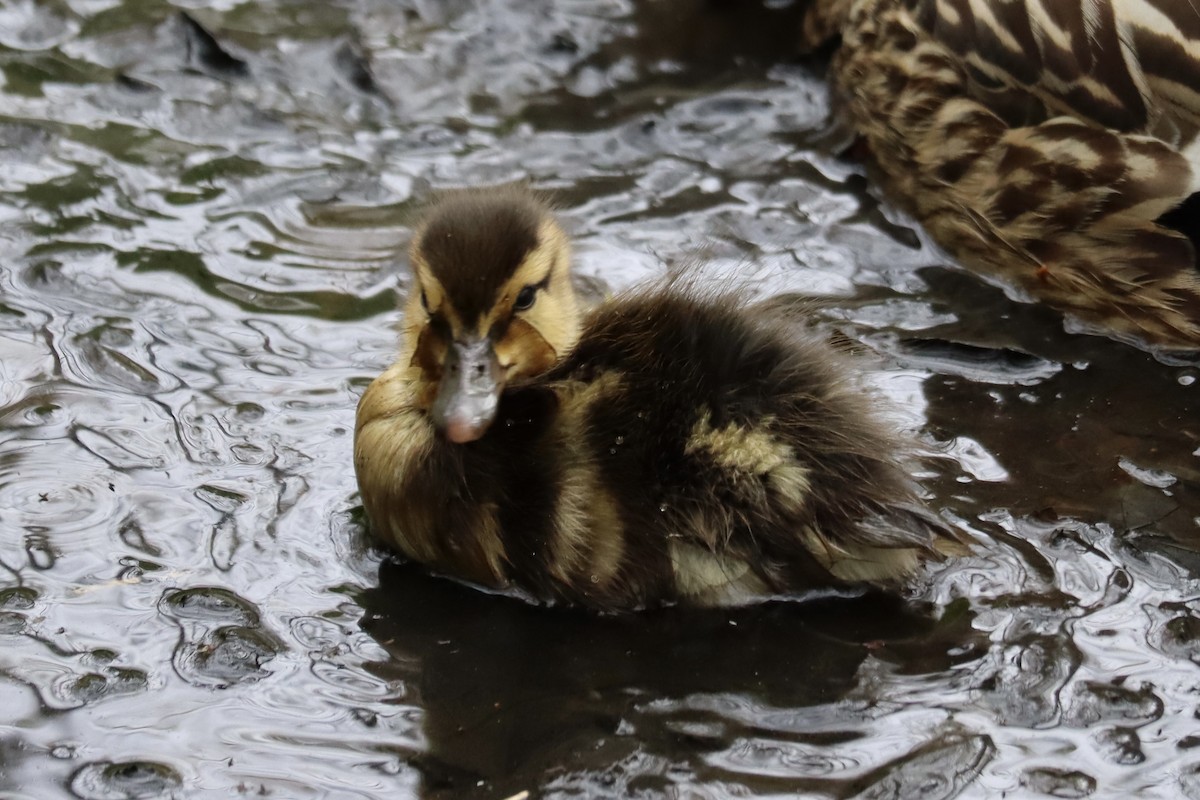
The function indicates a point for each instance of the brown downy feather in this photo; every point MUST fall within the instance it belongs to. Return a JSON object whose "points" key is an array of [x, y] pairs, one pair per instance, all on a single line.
{"points": [[1039, 141], [671, 445]]}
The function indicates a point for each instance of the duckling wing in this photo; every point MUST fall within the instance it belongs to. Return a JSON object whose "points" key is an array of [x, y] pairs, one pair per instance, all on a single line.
{"points": [[738, 449]]}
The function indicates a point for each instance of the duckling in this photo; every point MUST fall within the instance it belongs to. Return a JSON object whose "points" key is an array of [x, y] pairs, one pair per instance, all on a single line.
{"points": [[1040, 142], [668, 446]]}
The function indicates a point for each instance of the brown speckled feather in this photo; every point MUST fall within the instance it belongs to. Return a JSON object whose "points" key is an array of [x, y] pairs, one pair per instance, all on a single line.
{"points": [[1038, 142]]}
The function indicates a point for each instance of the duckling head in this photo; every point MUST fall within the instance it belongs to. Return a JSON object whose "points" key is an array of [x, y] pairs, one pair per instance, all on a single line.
{"points": [[491, 303]]}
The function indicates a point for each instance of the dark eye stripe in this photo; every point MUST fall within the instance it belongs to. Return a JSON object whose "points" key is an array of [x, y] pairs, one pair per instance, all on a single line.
{"points": [[500, 326], [441, 326]]}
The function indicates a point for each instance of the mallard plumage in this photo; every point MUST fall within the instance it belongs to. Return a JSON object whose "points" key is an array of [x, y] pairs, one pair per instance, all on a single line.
{"points": [[1039, 141], [670, 446]]}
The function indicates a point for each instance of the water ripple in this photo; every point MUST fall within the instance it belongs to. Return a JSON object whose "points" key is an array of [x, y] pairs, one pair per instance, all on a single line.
{"points": [[37, 497], [107, 780], [202, 220]]}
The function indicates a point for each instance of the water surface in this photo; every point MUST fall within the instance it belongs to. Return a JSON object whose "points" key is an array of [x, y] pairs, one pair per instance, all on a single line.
{"points": [[202, 207]]}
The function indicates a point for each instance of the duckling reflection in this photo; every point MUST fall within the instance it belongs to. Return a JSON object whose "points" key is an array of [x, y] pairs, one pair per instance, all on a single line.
{"points": [[513, 696], [671, 445]]}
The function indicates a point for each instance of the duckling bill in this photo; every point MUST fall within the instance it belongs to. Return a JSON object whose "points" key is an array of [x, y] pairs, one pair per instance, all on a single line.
{"points": [[668, 446]]}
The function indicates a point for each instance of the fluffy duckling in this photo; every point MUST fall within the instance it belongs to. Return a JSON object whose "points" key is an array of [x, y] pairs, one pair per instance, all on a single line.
{"points": [[1041, 142], [671, 446]]}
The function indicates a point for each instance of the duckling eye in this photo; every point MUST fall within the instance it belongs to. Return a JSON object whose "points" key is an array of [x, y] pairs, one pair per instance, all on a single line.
{"points": [[424, 300], [525, 298]]}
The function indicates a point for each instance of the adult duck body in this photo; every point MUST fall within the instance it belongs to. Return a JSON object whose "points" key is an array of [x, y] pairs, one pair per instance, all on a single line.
{"points": [[1049, 143]]}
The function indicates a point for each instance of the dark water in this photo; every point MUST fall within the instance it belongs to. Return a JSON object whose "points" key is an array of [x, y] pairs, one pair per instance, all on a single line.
{"points": [[198, 250]]}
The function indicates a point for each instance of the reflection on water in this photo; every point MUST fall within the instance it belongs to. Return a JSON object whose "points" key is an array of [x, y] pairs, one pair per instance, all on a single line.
{"points": [[516, 696], [199, 221]]}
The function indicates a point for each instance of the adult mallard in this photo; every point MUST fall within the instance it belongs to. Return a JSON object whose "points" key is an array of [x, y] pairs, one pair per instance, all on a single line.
{"points": [[671, 445], [1040, 141]]}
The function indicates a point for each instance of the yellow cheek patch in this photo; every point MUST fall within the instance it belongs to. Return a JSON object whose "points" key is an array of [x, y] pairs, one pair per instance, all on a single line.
{"points": [[524, 350]]}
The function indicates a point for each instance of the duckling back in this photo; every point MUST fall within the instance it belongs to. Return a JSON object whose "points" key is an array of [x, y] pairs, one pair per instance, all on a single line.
{"points": [[738, 452]]}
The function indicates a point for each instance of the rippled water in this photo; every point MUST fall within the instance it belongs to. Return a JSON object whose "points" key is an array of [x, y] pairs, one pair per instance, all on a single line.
{"points": [[198, 250]]}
